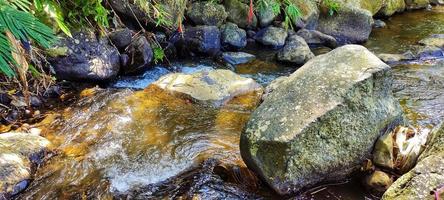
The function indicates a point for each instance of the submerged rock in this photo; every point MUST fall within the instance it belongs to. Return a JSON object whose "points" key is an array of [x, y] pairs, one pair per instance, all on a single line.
{"points": [[233, 37], [350, 25], [321, 122], [215, 86], [207, 13], [295, 51], [272, 36], [426, 179], [393, 58], [87, 58], [236, 58], [435, 40], [19, 152]]}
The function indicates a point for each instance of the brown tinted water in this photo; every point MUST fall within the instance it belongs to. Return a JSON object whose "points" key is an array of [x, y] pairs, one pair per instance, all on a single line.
{"points": [[124, 144], [406, 29]]}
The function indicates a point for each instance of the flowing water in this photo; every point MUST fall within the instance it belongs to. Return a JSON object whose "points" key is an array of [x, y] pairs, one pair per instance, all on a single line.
{"points": [[148, 144]]}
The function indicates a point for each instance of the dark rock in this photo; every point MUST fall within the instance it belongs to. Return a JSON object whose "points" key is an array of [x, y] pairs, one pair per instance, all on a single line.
{"points": [[207, 13], [140, 56], [238, 13], [295, 51], [87, 58], [321, 122], [350, 25], [316, 38], [416, 4], [204, 40], [272, 36], [35, 101], [236, 58], [232, 37], [378, 181], [121, 38], [5, 99], [160, 37], [251, 33]]}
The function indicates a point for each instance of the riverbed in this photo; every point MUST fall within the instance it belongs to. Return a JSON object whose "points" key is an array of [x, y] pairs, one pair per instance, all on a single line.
{"points": [[129, 142]]}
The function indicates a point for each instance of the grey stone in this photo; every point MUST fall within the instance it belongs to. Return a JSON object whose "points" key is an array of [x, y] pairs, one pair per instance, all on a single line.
{"points": [[295, 51], [272, 36], [322, 121], [236, 58]]}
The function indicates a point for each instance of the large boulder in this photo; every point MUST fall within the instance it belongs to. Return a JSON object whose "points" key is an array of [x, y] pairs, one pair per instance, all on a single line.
{"points": [[19, 153], [272, 36], [295, 51], [121, 38], [428, 175], [351, 25], [214, 86], [321, 122], [233, 37], [207, 13], [416, 4], [203, 40], [140, 56], [86, 58], [391, 7], [238, 13]]}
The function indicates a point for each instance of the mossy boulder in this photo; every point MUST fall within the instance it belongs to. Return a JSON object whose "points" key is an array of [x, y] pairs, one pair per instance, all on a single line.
{"points": [[321, 122], [426, 177], [310, 12], [207, 13], [391, 7], [295, 51], [238, 13]]}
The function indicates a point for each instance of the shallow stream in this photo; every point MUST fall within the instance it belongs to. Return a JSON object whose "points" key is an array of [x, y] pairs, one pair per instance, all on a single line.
{"points": [[147, 144]]}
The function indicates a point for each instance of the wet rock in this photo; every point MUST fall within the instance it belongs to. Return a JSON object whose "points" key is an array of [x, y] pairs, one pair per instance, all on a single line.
{"points": [[207, 13], [350, 25], [428, 52], [426, 177], [121, 38], [393, 58], [215, 86], [391, 7], [272, 36], [399, 150], [238, 13], [435, 40], [337, 103], [200, 40], [236, 58], [379, 24], [5, 99], [416, 4], [18, 153], [378, 181], [87, 58], [233, 37], [35, 101], [295, 51], [139, 54], [316, 38]]}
